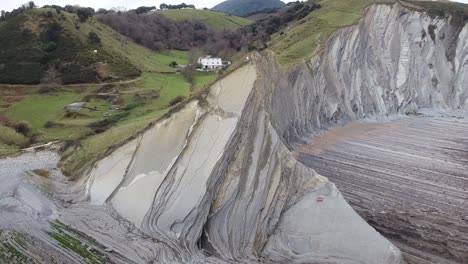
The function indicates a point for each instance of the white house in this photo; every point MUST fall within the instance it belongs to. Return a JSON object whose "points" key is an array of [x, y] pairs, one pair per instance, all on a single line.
{"points": [[210, 63]]}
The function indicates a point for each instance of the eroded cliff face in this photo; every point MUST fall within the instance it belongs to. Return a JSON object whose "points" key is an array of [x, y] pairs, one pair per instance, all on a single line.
{"points": [[394, 60], [216, 178], [216, 182]]}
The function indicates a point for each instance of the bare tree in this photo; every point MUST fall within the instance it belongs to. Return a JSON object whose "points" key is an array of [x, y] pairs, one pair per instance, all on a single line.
{"points": [[191, 67], [51, 80]]}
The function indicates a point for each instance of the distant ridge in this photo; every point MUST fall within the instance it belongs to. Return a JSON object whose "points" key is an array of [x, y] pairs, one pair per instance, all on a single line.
{"points": [[246, 7]]}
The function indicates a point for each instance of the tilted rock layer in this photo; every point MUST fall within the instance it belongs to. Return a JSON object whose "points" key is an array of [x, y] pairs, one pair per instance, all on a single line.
{"points": [[393, 61], [216, 182], [407, 176], [216, 178]]}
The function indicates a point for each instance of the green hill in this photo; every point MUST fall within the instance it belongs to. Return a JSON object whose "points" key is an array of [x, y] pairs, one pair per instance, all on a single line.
{"points": [[303, 38], [246, 7], [41, 40], [210, 18], [116, 109]]}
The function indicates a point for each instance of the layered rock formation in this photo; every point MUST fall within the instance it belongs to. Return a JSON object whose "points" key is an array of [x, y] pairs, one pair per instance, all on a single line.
{"points": [[394, 61], [216, 182], [407, 176], [217, 178]]}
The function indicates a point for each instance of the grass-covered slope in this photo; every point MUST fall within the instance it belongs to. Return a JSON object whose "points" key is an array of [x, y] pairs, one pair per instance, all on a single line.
{"points": [[441, 8], [39, 40], [303, 38], [210, 18], [246, 7], [91, 131], [153, 88]]}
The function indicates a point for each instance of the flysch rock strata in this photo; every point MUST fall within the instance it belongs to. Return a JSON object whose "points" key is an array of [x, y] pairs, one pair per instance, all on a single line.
{"points": [[217, 182]]}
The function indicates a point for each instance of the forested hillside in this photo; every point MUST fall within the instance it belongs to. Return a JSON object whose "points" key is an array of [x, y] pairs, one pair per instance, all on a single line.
{"points": [[47, 45], [157, 32]]}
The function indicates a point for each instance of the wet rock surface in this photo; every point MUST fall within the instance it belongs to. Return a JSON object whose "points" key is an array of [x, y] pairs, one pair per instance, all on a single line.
{"points": [[20, 200], [407, 177]]}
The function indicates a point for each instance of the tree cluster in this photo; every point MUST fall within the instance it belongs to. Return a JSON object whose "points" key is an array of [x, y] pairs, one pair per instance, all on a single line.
{"points": [[257, 35], [158, 32], [4, 15], [264, 11], [84, 14], [93, 38], [180, 6], [144, 9]]}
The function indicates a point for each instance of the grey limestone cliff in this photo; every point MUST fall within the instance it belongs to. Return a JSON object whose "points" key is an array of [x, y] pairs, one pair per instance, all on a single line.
{"points": [[394, 60], [217, 182]]}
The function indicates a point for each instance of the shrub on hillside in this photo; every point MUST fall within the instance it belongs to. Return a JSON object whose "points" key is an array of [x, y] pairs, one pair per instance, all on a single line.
{"points": [[53, 32], [133, 105], [22, 127], [177, 100], [77, 73], [93, 38], [106, 123], [10, 137], [52, 124], [144, 9], [84, 14]]}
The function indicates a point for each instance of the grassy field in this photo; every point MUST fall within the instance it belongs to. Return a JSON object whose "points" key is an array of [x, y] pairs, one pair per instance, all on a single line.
{"points": [[7, 149], [38, 109], [210, 18], [102, 123], [167, 86], [141, 102], [202, 79]]}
